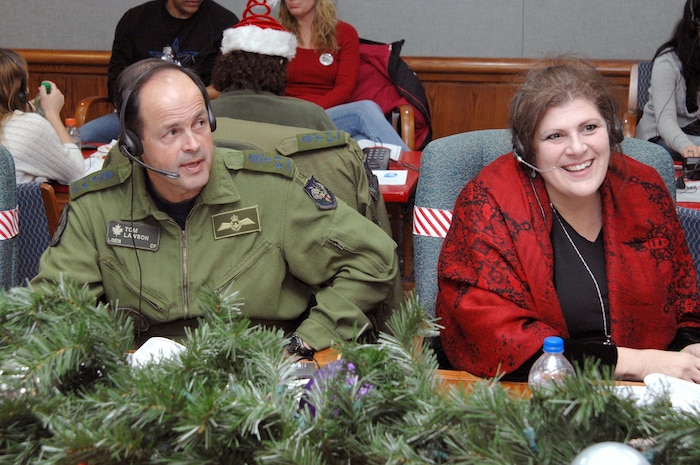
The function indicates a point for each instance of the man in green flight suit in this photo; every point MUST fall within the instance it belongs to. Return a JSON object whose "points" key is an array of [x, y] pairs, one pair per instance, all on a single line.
{"points": [[148, 235]]}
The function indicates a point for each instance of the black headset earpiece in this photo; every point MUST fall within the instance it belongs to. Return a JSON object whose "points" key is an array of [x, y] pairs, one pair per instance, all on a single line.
{"points": [[518, 147], [616, 132], [22, 94], [129, 141]]}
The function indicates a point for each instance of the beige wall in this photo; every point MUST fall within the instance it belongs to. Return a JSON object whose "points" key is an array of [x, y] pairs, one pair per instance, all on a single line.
{"points": [[603, 29]]}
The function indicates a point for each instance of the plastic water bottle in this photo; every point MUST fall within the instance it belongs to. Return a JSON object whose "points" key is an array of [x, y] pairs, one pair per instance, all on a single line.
{"points": [[552, 366], [73, 131]]}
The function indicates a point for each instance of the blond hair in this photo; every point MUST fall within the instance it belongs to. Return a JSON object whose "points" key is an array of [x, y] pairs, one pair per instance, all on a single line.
{"points": [[323, 28]]}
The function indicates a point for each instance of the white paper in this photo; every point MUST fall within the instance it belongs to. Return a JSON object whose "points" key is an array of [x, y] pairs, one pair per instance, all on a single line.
{"points": [[690, 194], [391, 177], [154, 350], [94, 162], [684, 395]]}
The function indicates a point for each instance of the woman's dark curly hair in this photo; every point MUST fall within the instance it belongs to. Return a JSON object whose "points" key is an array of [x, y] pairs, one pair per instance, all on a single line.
{"points": [[251, 71]]}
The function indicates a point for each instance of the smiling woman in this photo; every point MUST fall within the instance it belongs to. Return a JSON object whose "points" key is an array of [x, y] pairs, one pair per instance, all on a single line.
{"points": [[568, 249]]}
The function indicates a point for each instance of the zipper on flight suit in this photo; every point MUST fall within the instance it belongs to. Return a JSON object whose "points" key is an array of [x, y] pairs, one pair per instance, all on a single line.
{"points": [[185, 288]]}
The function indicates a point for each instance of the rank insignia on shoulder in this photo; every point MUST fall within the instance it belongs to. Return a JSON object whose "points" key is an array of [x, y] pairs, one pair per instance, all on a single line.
{"points": [[321, 139], [320, 194]]}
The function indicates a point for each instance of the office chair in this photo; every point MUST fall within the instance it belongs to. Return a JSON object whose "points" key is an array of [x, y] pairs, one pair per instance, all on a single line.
{"points": [[640, 79], [34, 236], [690, 221], [9, 228]]}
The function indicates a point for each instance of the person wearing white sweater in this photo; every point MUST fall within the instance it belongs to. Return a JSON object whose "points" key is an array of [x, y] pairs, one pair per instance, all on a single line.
{"points": [[40, 146]]}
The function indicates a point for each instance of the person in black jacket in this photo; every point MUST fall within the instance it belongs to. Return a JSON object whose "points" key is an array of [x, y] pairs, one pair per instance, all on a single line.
{"points": [[187, 32]]}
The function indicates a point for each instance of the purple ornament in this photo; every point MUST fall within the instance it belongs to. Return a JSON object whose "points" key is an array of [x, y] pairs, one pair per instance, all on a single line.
{"points": [[326, 375]]}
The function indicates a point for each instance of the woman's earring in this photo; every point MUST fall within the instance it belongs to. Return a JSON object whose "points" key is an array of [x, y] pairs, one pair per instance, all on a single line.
{"points": [[533, 174]]}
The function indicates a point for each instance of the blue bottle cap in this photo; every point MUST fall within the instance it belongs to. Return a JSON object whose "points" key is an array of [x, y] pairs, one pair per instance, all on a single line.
{"points": [[553, 344]]}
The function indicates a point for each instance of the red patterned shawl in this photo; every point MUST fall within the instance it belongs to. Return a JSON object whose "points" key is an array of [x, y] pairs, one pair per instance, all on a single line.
{"points": [[496, 295]]}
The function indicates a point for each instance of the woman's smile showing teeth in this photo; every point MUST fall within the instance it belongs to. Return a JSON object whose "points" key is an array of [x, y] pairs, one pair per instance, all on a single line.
{"points": [[580, 167]]}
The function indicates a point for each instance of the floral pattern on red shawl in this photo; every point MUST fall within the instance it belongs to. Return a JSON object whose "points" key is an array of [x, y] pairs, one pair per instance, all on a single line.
{"points": [[496, 297]]}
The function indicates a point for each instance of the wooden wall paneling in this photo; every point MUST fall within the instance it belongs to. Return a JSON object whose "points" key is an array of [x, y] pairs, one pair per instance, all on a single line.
{"points": [[465, 94], [77, 73], [468, 94]]}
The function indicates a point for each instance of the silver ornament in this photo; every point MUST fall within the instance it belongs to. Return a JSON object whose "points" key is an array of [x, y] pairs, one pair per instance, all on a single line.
{"points": [[610, 453], [326, 59]]}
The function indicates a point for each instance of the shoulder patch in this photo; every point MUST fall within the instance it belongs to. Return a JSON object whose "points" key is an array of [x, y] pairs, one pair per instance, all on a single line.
{"points": [[267, 162], [99, 180], [320, 194], [309, 141]]}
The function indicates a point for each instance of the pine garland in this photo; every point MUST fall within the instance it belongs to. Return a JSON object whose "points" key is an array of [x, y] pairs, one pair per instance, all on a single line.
{"points": [[68, 397]]}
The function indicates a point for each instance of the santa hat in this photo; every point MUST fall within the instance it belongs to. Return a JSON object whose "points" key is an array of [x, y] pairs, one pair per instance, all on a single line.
{"points": [[260, 33]]}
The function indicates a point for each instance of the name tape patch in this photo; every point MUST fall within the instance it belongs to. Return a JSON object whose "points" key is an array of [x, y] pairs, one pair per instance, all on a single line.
{"points": [[133, 235]]}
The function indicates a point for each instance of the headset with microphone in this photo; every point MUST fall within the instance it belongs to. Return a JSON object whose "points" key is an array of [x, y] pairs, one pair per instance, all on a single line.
{"points": [[129, 142], [519, 148], [539, 170]]}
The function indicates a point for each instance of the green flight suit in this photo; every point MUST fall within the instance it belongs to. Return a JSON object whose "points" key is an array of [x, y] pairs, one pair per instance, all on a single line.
{"points": [[300, 259], [333, 158]]}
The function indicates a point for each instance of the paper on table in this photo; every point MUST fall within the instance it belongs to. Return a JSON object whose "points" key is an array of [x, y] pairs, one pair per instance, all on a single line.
{"points": [[94, 162], [154, 350], [684, 395], [391, 177], [690, 194]]}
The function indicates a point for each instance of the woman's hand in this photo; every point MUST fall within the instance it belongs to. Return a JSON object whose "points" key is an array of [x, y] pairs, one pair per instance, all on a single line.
{"points": [[693, 349], [691, 151], [51, 103], [635, 364]]}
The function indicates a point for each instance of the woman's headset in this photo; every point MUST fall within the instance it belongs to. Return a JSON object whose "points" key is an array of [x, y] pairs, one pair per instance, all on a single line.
{"points": [[616, 132]]}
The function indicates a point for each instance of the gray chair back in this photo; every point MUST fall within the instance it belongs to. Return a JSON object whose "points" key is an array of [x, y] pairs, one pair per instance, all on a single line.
{"points": [[34, 237], [9, 221], [447, 164], [690, 221]]}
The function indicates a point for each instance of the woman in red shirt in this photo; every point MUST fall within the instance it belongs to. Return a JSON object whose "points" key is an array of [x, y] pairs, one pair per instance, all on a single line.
{"points": [[325, 69]]}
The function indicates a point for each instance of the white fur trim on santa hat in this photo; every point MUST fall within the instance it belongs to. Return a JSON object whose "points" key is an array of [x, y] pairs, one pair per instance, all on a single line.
{"points": [[257, 40]]}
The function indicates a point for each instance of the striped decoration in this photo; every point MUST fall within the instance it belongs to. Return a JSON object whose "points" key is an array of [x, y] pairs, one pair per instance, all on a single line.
{"points": [[9, 224], [431, 222]]}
